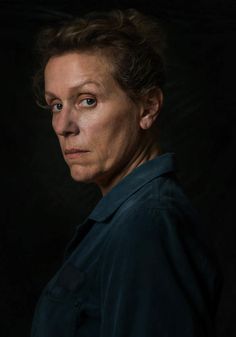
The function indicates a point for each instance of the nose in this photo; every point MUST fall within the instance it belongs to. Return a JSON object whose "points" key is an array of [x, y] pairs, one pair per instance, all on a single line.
{"points": [[65, 123]]}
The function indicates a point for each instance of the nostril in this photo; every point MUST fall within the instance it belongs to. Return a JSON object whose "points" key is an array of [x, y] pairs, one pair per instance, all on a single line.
{"points": [[64, 126], [65, 131]]}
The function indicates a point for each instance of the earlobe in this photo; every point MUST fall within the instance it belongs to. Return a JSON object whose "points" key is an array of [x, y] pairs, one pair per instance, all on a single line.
{"points": [[147, 122], [151, 108]]}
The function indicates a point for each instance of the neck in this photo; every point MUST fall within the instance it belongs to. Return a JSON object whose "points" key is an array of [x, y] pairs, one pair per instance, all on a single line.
{"points": [[150, 151]]}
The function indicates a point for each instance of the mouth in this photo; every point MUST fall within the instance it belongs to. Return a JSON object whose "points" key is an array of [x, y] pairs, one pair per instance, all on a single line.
{"points": [[74, 153]]}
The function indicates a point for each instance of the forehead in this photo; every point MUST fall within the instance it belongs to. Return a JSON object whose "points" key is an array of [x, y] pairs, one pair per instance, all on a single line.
{"points": [[73, 69]]}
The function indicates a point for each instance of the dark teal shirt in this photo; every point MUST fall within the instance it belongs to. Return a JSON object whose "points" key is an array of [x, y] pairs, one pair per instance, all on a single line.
{"points": [[135, 267]]}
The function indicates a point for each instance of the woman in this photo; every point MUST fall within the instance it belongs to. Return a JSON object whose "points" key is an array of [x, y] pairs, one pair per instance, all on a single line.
{"points": [[135, 267]]}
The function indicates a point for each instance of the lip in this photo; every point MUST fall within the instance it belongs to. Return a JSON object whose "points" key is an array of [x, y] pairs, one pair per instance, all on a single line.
{"points": [[74, 152]]}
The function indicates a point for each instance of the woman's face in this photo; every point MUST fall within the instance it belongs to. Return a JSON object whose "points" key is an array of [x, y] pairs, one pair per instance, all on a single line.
{"points": [[97, 124]]}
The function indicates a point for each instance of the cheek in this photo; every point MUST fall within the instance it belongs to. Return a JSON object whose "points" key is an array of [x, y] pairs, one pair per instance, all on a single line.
{"points": [[113, 135], [61, 141]]}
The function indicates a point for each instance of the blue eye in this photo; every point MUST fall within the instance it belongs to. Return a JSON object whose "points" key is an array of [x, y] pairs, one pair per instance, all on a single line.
{"points": [[88, 102], [56, 107]]}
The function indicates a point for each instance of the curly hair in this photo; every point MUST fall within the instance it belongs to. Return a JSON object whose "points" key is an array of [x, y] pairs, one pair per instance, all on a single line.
{"points": [[133, 42]]}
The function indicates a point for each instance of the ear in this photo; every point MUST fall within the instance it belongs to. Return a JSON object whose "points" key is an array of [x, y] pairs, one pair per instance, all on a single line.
{"points": [[151, 106]]}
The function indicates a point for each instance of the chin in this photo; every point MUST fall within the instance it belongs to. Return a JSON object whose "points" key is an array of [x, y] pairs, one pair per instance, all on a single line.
{"points": [[82, 175], [81, 178]]}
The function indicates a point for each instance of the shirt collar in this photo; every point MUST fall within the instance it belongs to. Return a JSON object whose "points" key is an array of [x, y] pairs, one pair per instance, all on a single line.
{"points": [[140, 176]]}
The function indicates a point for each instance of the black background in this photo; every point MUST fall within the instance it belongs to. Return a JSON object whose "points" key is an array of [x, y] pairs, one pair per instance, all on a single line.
{"points": [[41, 204]]}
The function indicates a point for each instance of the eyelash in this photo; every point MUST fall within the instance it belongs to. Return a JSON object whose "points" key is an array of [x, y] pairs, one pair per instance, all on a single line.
{"points": [[89, 98], [51, 106]]}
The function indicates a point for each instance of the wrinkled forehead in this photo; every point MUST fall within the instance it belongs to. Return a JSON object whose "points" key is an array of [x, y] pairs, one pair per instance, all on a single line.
{"points": [[67, 73], [99, 59], [75, 69]]}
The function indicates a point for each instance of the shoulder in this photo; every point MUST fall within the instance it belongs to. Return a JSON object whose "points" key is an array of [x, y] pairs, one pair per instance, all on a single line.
{"points": [[156, 232], [159, 206], [157, 218]]}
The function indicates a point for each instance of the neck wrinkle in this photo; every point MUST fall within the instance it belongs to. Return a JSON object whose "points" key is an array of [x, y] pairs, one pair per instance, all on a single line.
{"points": [[150, 151]]}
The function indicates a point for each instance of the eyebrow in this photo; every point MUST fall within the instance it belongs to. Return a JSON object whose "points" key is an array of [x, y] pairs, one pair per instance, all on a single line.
{"points": [[78, 86]]}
